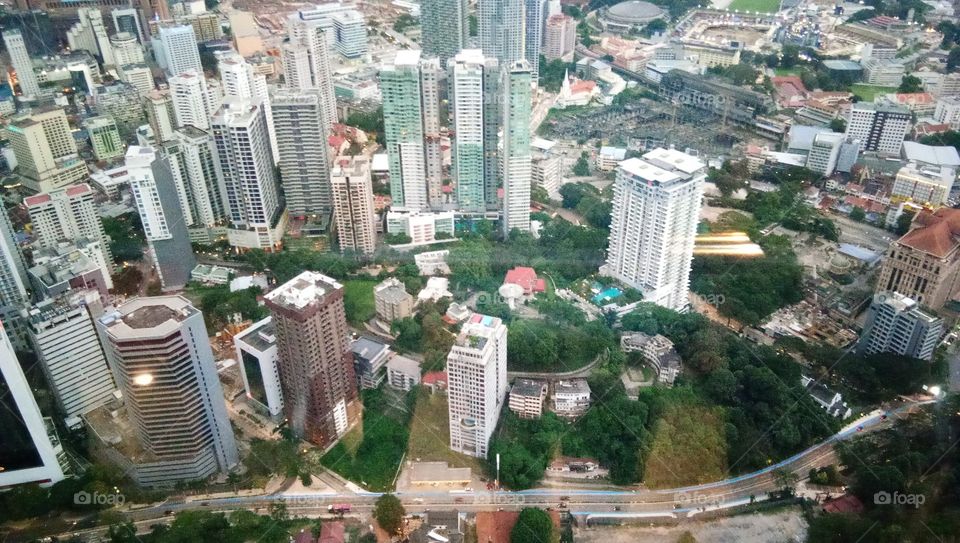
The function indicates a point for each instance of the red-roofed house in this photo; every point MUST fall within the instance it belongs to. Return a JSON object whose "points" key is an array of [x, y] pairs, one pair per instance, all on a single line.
{"points": [[436, 381], [921, 103], [526, 278], [790, 91]]}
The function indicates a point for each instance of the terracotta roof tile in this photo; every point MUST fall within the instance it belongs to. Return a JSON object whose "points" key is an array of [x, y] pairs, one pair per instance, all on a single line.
{"points": [[938, 232]]}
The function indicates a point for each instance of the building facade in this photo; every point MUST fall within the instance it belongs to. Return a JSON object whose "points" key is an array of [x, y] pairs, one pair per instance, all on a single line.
{"points": [[896, 324], [164, 366], [353, 204], [316, 367], [304, 155], [445, 27], [656, 207], [879, 128], [924, 264], [257, 353], [517, 160], [67, 214], [477, 384]]}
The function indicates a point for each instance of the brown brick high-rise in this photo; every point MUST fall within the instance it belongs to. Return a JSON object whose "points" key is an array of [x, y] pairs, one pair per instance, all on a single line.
{"points": [[313, 357]]}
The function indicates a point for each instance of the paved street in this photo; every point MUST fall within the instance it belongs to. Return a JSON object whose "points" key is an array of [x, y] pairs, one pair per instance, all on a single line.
{"points": [[584, 503]]}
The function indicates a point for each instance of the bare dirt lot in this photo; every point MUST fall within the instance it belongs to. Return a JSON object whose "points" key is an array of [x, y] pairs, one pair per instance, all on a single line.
{"points": [[780, 527]]}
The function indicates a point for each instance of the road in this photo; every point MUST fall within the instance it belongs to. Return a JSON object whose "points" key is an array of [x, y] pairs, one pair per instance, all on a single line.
{"points": [[583, 503]]}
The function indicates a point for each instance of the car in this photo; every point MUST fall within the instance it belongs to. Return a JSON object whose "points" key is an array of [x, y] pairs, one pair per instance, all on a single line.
{"points": [[458, 500], [168, 512], [562, 505], [204, 504], [564, 498], [616, 507]]}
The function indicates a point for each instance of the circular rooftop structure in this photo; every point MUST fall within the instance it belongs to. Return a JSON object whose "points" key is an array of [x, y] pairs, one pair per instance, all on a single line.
{"points": [[629, 14]]}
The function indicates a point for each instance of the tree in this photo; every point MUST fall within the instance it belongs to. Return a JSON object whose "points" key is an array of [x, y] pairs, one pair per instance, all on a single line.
{"points": [[858, 214], [278, 512], [582, 167], [686, 537], [785, 479], [389, 513], [533, 526], [953, 59], [370, 537], [903, 222], [838, 125], [910, 84]]}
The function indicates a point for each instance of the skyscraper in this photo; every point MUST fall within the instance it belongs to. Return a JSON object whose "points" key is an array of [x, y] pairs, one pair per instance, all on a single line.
{"points": [[194, 102], [46, 153], [90, 34], [298, 118], [239, 80], [253, 201], [306, 61], [502, 29], [164, 366], [178, 49], [29, 455], [477, 383], [13, 282], [411, 118], [126, 49], [67, 214], [65, 341], [880, 127], [534, 18], [202, 178], [20, 59], [517, 160], [316, 365], [353, 204], [104, 137], [445, 27], [159, 107], [897, 324], [474, 83], [158, 202], [656, 207], [128, 20]]}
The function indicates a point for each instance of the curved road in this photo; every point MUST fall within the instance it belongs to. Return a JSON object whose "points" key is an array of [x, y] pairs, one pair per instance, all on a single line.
{"points": [[682, 502]]}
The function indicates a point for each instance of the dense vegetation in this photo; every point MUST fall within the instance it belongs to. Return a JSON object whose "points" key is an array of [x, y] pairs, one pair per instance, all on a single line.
{"points": [[766, 413], [564, 252], [237, 527], [917, 459], [586, 200], [534, 525], [425, 333], [534, 345], [219, 305], [385, 433], [749, 289], [126, 237]]}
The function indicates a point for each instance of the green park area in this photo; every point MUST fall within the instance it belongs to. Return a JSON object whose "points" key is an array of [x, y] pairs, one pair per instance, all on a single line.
{"points": [[763, 6], [866, 93]]}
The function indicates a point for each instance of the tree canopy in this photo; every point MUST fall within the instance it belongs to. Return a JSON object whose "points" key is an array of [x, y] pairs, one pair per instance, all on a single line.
{"points": [[389, 513], [533, 526]]}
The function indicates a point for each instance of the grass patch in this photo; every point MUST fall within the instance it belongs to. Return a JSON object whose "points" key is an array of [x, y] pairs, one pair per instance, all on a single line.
{"points": [[787, 71], [430, 434], [867, 93], [358, 300], [763, 6], [375, 457], [689, 447]]}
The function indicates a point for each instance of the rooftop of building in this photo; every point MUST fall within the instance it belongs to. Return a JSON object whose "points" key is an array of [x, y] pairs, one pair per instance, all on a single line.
{"points": [[477, 331], [405, 365], [303, 290], [261, 335], [146, 317], [663, 166], [391, 290], [368, 348], [56, 265], [69, 191], [936, 233], [528, 387], [881, 108], [571, 386], [940, 155]]}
